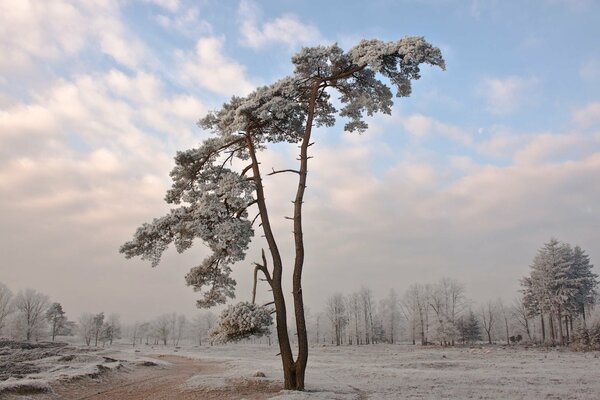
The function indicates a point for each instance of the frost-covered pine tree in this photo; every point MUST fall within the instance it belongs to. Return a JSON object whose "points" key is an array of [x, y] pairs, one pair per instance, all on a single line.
{"points": [[56, 319], [561, 284], [585, 282], [212, 201]]}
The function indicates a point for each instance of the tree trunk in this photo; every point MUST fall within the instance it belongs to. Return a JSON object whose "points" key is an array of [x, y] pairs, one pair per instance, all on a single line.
{"points": [[560, 327], [302, 359], [543, 328], [551, 323], [290, 380], [567, 328]]}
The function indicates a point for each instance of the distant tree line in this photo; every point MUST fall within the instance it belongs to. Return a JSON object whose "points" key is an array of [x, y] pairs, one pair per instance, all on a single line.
{"points": [[29, 315], [553, 308]]}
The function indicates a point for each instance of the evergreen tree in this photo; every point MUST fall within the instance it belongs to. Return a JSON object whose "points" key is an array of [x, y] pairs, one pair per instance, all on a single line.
{"points": [[57, 319]]}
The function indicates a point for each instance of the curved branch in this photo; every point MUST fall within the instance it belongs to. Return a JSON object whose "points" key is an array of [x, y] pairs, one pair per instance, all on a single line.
{"points": [[282, 171]]}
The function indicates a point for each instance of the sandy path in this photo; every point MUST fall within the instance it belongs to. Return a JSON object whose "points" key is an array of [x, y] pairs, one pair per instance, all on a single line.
{"points": [[162, 383]]}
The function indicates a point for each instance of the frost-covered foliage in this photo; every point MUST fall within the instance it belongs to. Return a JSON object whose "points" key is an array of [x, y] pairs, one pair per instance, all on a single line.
{"points": [[561, 280], [587, 338], [57, 319], [213, 200], [273, 113], [468, 328], [215, 211], [354, 74], [241, 321]]}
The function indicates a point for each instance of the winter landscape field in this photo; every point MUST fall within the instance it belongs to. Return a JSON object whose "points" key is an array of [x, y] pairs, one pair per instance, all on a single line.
{"points": [[336, 372], [254, 199]]}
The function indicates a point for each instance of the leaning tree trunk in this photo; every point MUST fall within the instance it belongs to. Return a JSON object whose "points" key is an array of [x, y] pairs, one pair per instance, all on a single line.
{"points": [[287, 359]]}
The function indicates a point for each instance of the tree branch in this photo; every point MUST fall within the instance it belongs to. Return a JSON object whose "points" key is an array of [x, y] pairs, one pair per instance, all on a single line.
{"points": [[282, 171]]}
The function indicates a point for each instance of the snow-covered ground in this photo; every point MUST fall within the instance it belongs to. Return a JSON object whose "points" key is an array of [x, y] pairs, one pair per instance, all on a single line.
{"points": [[413, 372], [356, 372], [29, 368]]}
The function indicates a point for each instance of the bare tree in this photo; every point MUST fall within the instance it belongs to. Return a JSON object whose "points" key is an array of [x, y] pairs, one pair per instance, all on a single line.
{"points": [[366, 299], [336, 312], [162, 327], [31, 307], [86, 327], [391, 311], [111, 329], [181, 323], [415, 306], [487, 314], [505, 314], [98, 322], [6, 307], [522, 315], [448, 301]]}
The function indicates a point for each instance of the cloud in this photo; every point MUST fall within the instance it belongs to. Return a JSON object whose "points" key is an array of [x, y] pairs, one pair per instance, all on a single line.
{"points": [[508, 95], [87, 160], [170, 5], [32, 30], [286, 29], [420, 126], [187, 23], [548, 148], [590, 70], [588, 116], [210, 69]]}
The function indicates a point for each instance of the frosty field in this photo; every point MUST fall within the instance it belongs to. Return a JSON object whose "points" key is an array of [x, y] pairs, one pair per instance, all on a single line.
{"points": [[345, 372]]}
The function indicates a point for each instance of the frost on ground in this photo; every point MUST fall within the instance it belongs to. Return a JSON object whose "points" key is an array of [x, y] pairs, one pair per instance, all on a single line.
{"points": [[413, 372], [30, 368], [345, 372]]}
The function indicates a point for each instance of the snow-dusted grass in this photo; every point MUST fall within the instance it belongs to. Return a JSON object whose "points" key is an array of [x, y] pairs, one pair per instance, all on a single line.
{"points": [[413, 372], [27, 368], [352, 372]]}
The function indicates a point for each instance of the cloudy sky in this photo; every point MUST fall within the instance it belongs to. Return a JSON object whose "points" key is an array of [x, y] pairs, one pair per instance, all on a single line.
{"points": [[469, 176]]}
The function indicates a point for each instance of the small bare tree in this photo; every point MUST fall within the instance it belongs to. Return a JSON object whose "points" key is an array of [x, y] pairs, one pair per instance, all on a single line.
{"points": [[336, 312], [488, 315], [162, 327], [6, 307], [86, 327], [521, 314], [505, 314], [31, 307]]}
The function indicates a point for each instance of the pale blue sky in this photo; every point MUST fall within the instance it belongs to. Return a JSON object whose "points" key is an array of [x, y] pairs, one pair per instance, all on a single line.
{"points": [[473, 172]]}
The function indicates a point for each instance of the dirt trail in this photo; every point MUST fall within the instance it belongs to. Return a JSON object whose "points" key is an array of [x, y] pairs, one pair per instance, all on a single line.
{"points": [[163, 383]]}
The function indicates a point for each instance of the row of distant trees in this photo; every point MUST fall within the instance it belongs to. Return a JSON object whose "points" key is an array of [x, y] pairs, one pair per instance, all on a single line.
{"points": [[557, 298], [172, 329], [29, 315]]}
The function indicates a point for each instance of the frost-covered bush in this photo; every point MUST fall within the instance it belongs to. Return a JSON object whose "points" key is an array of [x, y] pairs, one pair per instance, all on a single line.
{"points": [[241, 321], [587, 338]]}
